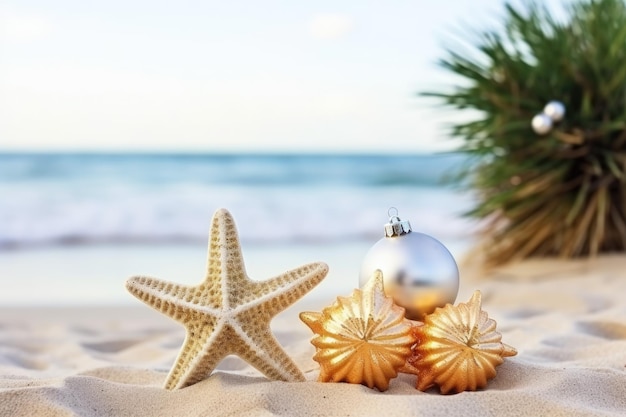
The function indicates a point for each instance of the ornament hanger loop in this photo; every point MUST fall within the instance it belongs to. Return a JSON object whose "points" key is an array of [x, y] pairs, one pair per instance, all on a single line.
{"points": [[396, 226], [392, 212]]}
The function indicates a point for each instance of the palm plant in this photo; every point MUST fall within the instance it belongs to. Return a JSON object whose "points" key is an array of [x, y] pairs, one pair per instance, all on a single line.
{"points": [[561, 191]]}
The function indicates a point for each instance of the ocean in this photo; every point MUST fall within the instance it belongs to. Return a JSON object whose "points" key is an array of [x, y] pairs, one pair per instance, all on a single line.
{"points": [[86, 199], [74, 227]]}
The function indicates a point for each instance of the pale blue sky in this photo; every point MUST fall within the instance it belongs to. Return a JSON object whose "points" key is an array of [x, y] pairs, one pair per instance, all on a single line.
{"points": [[228, 75]]}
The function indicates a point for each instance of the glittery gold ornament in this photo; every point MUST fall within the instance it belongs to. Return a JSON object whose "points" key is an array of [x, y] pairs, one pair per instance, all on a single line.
{"points": [[458, 348], [362, 339]]}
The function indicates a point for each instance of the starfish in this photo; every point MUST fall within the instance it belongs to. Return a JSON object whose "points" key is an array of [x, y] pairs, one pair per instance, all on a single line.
{"points": [[228, 313]]}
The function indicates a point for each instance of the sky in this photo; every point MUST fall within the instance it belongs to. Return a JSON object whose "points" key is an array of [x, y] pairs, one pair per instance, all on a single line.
{"points": [[242, 76]]}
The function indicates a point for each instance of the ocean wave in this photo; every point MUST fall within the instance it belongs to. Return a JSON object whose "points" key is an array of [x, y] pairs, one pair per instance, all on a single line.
{"points": [[372, 170], [70, 202], [264, 215]]}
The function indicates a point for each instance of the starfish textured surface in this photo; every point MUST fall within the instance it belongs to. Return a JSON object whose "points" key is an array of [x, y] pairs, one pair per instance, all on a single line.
{"points": [[228, 313]]}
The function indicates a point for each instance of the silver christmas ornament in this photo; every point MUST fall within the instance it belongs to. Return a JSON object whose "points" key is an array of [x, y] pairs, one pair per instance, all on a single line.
{"points": [[541, 123], [418, 271], [555, 110]]}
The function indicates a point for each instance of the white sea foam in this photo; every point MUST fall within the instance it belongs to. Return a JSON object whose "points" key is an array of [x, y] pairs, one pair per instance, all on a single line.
{"points": [[73, 200]]}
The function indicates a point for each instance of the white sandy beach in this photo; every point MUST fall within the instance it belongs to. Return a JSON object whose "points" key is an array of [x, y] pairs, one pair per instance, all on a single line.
{"points": [[566, 319]]}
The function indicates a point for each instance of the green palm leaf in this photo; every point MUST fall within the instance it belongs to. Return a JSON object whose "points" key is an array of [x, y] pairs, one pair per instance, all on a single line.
{"points": [[563, 193]]}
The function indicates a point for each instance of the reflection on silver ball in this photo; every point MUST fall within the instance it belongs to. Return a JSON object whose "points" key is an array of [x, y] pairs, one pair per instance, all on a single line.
{"points": [[541, 124], [418, 272], [555, 110]]}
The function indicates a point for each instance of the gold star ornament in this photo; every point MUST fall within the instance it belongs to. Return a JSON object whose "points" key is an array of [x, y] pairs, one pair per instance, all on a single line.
{"points": [[362, 339], [457, 349], [228, 313]]}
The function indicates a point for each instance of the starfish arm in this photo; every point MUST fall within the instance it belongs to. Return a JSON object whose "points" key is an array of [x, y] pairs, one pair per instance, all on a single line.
{"points": [[200, 354], [260, 349], [278, 293], [226, 271], [173, 300]]}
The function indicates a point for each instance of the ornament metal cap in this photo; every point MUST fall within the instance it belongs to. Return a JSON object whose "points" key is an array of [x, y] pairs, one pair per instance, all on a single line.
{"points": [[396, 226]]}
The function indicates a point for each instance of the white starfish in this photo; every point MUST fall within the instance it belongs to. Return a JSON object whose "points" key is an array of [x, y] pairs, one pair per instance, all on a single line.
{"points": [[228, 313]]}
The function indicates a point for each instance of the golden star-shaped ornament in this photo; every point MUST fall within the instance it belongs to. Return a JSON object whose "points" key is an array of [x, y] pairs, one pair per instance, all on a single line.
{"points": [[361, 339], [228, 313]]}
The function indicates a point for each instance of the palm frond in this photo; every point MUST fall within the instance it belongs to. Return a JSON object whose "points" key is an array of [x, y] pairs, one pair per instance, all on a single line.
{"points": [[563, 193]]}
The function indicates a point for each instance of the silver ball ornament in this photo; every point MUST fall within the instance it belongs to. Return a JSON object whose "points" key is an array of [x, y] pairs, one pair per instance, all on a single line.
{"points": [[419, 273], [555, 110], [541, 123]]}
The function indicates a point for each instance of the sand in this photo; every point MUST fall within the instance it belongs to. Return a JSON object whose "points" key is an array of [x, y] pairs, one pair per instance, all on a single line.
{"points": [[567, 320]]}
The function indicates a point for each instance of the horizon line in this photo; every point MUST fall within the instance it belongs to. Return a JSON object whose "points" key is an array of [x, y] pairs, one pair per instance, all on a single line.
{"points": [[191, 152]]}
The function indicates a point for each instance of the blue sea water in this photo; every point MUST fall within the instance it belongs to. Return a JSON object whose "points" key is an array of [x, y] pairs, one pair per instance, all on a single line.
{"points": [[68, 199]]}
